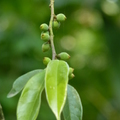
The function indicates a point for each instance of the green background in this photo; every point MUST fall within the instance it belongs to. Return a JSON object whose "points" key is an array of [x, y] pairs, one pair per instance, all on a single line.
{"points": [[91, 35]]}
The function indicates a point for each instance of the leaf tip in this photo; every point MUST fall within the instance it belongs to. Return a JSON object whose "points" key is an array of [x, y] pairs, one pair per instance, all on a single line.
{"points": [[12, 93]]}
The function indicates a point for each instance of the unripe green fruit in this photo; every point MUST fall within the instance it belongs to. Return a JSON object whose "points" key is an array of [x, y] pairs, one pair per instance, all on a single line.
{"points": [[71, 70], [45, 36], [45, 47], [56, 24], [63, 56], [61, 17], [46, 60], [71, 76], [44, 27]]}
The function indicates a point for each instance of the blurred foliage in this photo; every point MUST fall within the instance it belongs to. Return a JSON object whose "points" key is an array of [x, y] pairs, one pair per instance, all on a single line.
{"points": [[91, 35]]}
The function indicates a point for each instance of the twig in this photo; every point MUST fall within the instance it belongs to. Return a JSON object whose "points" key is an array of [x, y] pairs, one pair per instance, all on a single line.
{"points": [[51, 29]]}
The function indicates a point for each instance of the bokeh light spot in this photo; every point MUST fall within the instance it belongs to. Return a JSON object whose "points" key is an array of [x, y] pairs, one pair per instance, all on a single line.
{"points": [[68, 42], [110, 8], [78, 61]]}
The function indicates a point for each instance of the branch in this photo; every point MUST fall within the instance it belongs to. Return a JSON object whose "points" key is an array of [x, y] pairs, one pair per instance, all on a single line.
{"points": [[51, 29], [1, 113]]}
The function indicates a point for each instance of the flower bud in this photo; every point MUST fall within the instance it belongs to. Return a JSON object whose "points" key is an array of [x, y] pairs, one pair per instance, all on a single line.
{"points": [[44, 27], [61, 17], [71, 76], [63, 56], [45, 36], [56, 24], [45, 47], [46, 60], [71, 70]]}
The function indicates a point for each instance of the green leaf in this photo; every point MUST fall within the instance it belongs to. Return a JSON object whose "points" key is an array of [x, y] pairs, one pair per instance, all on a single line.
{"points": [[73, 107], [29, 102], [20, 82], [56, 80]]}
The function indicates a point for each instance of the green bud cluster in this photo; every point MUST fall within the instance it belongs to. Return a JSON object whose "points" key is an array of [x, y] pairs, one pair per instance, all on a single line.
{"points": [[45, 36]]}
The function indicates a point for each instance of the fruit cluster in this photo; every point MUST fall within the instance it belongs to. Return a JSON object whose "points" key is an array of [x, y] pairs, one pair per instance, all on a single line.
{"points": [[45, 36], [57, 19]]}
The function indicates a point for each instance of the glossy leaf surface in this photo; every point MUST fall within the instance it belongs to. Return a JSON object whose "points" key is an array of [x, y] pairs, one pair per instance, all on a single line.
{"points": [[29, 102], [73, 107], [56, 80], [20, 82]]}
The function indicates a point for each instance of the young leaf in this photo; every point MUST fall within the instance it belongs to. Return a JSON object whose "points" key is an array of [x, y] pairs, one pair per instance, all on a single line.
{"points": [[30, 99], [73, 107], [56, 80], [20, 82]]}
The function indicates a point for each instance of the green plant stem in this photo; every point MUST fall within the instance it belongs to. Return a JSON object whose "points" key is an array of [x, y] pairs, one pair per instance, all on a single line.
{"points": [[51, 29], [1, 113]]}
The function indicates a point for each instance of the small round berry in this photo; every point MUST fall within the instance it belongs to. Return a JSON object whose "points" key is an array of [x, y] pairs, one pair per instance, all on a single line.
{"points": [[45, 47], [45, 36], [46, 60], [63, 56], [56, 24], [61, 17], [44, 27]]}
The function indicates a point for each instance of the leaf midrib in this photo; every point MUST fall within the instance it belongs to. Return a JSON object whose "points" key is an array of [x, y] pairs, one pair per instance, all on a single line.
{"points": [[57, 87]]}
